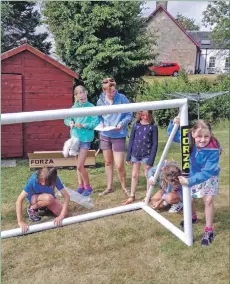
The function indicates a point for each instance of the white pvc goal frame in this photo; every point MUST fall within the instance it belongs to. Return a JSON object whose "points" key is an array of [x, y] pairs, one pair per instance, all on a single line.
{"points": [[182, 104]]}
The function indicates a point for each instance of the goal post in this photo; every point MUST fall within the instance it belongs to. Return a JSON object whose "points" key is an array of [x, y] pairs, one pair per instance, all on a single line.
{"points": [[25, 117]]}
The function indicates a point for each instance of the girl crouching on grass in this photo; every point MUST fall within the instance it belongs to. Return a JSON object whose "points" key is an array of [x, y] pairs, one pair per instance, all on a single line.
{"points": [[39, 191], [170, 192]]}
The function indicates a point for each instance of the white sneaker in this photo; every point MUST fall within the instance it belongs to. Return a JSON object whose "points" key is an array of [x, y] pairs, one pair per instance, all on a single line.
{"points": [[176, 207]]}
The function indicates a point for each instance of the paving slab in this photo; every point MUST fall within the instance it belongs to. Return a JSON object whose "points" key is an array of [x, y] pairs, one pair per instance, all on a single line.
{"points": [[8, 163]]}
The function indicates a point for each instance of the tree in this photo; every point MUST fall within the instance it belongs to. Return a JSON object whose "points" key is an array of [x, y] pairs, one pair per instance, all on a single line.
{"points": [[19, 20], [187, 23], [217, 15], [98, 39]]}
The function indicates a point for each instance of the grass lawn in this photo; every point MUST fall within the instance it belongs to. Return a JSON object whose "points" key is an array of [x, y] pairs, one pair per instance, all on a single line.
{"points": [[126, 248], [209, 77]]}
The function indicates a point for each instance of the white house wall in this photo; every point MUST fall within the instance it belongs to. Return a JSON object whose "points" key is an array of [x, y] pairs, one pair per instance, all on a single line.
{"points": [[220, 55]]}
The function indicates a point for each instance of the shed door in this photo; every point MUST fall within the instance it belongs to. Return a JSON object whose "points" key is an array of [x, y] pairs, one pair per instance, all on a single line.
{"points": [[11, 101]]}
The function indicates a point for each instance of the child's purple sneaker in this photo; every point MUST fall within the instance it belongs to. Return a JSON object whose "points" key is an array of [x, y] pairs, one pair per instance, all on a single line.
{"points": [[33, 214], [207, 238], [87, 191], [80, 190]]}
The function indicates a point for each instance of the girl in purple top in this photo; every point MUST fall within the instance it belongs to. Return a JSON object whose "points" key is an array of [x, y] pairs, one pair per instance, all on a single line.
{"points": [[142, 148]]}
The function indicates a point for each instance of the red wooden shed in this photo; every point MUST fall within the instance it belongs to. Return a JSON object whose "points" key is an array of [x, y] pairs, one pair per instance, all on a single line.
{"points": [[33, 81]]}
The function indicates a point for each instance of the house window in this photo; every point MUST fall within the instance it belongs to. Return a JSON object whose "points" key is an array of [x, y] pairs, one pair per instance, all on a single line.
{"points": [[212, 62], [227, 62]]}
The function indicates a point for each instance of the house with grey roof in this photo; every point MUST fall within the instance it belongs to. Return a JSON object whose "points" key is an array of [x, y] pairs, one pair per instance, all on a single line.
{"points": [[213, 57], [195, 51]]}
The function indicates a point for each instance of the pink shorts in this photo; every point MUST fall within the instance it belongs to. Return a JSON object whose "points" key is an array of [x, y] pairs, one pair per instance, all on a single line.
{"points": [[55, 206], [114, 144]]}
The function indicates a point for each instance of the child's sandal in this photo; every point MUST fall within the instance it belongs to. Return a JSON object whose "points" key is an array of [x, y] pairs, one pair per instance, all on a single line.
{"points": [[107, 191], [127, 192], [130, 200]]}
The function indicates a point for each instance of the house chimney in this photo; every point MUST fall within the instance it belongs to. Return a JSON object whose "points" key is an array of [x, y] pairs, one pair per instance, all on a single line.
{"points": [[162, 3]]}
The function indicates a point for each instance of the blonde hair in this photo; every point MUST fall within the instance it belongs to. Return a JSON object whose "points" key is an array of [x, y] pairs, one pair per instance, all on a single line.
{"points": [[202, 125], [79, 89]]}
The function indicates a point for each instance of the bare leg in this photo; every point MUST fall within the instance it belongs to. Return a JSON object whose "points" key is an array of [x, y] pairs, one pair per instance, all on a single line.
{"points": [[46, 200], [209, 210], [146, 169], [84, 177], [135, 177], [119, 163], [157, 197], [172, 197], [108, 158], [41, 200], [193, 208], [80, 179]]}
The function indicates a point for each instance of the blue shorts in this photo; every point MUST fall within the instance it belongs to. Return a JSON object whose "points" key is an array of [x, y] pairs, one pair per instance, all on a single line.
{"points": [[85, 145], [139, 160]]}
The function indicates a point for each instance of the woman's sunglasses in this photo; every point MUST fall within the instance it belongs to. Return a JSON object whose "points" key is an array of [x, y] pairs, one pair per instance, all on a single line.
{"points": [[106, 81]]}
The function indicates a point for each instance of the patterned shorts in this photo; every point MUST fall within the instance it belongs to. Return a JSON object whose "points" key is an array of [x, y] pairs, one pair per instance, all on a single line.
{"points": [[209, 187]]}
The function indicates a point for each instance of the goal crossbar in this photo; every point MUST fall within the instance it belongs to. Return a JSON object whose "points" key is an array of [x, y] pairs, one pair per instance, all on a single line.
{"points": [[186, 236]]}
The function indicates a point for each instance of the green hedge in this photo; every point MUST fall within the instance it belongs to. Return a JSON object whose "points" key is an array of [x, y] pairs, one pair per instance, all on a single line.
{"points": [[213, 110]]}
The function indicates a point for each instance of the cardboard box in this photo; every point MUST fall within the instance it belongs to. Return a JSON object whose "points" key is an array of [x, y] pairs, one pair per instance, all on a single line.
{"points": [[56, 159]]}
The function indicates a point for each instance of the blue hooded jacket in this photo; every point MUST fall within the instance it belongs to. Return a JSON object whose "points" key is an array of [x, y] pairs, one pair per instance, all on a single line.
{"points": [[116, 118], [204, 162]]}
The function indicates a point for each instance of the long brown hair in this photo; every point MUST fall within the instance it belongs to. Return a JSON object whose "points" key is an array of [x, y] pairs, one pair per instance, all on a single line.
{"points": [[202, 124], [49, 175], [150, 116], [170, 172]]}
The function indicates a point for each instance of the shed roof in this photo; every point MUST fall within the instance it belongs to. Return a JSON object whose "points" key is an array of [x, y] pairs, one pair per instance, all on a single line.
{"points": [[160, 7], [40, 54]]}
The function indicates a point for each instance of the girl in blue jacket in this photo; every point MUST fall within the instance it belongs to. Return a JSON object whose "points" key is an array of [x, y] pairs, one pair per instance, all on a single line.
{"points": [[83, 129], [204, 172]]}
